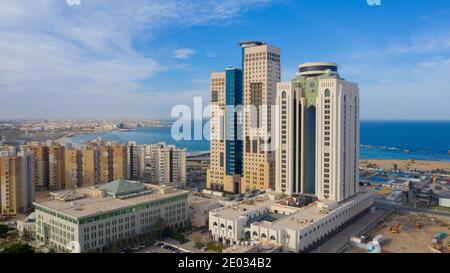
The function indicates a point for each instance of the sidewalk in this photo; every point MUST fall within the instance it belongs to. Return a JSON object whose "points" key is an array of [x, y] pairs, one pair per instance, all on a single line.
{"points": [[340, 241]]}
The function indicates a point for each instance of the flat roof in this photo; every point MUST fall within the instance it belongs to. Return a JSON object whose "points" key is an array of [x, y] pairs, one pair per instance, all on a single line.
{"points": [[298, 218], [89, 205]]}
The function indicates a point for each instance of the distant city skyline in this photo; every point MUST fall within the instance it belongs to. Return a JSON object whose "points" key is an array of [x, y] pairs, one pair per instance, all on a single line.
{"points": [[103, 59]]}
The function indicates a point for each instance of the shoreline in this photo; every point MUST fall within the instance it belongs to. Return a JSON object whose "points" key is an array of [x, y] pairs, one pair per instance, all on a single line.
{"points": [[423, 165]]}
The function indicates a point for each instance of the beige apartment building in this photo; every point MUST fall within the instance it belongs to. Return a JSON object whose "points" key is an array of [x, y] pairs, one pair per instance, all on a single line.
{"points": [[56, 166], [105, 165], [72, 167], [261, 72], [41, 164], [318, 134], [90, 166], [16, 183], [119, 161]]}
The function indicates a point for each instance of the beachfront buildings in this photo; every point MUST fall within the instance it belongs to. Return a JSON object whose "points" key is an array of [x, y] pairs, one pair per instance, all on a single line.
{"points": [[16, 182], [94, 218], [318, 134], [225, 169]]}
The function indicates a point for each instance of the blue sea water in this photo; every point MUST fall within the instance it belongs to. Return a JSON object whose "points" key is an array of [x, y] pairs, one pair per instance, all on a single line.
{"points": [[419, 140]]}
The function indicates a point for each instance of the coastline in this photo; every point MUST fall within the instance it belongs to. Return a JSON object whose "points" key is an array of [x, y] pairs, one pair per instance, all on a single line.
{"points": [[423, 165]]}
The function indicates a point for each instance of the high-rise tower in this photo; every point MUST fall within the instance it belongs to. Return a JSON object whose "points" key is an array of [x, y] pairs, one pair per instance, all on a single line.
{"points": [[225, 170], [318, 133], [261, 72]]}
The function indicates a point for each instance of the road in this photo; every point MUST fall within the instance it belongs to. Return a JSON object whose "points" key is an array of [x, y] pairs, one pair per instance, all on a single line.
{"points": [[340, 241], [388, 204]]}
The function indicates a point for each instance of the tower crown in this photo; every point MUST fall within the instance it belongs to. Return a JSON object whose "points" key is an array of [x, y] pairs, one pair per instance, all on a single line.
{"points": [[317, 68]]}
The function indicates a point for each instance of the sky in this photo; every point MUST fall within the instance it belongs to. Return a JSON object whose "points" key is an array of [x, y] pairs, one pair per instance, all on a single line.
{"points": [[70, 59]]}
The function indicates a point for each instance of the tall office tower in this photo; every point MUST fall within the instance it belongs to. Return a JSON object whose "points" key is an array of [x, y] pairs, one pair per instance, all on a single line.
{"points": [[56, 166], [90, 159], [164, 164], [318, 133], [261, 72], [41, 164], [105, 165], [72, 167], [16, 183], [134, 160], [119, 161], [224, 173]]}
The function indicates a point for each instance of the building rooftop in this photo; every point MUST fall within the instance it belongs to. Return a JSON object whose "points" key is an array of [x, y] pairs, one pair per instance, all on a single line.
{"points": [[122, 187], [281, 216], [115, 195]]}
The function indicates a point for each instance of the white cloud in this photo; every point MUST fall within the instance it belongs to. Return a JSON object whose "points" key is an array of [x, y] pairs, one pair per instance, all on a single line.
{"points": [[183, 53], [403, 80], [58, 60]]}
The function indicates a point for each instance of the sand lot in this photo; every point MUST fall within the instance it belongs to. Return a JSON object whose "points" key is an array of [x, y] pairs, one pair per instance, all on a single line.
{"points": [[409, 239], [408, 164]]}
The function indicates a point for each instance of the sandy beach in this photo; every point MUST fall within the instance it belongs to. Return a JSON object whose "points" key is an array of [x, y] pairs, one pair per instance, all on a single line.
{"points": [[408, 164]]}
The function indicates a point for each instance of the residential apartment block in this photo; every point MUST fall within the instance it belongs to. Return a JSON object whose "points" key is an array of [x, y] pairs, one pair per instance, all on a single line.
{"points": [[16, 183]]}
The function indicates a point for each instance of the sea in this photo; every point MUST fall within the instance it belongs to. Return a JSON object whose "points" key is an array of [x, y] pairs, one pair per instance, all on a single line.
{"points": [[396, 140]]}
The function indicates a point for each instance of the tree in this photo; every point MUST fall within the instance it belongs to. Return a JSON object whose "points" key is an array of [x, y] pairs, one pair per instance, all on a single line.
{"points": [[3, 230], [19, 248]]}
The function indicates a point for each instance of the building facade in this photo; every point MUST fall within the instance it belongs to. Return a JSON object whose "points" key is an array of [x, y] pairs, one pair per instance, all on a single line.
{"points": [[163, 164], [16, 183], [119, 161], [134, 158], [41, 164], [280, 221], [72, 168], [94, 218], [318, 134], [261, 72], [56, 166], [90, 158], [226, 131]]}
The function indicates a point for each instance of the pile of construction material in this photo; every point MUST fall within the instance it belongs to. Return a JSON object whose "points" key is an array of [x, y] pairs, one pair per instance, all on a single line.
{"points": [[436, 243], [373, 246]]}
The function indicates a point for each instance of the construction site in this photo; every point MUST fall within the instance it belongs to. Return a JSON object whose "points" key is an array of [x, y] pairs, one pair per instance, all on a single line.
{"points": [[405, 232]]}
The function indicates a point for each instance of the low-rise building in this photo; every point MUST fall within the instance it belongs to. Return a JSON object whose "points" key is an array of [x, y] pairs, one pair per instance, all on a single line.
{"points": [[285, 220], [199, 208], [93, 218]]}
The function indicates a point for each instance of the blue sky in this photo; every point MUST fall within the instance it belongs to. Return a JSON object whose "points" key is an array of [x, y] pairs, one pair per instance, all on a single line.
{"points": [[114, 59]]}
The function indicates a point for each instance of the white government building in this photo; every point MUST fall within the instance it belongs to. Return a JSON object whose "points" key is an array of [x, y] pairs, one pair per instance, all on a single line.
{"points": [[91, 219], [280, 219]]}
